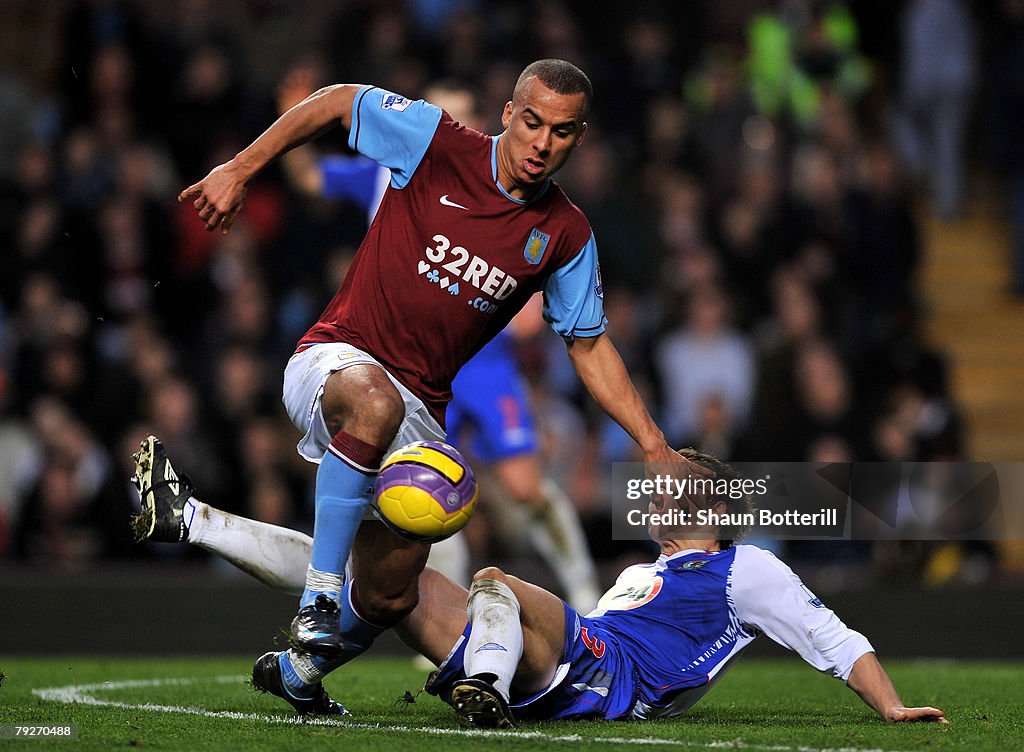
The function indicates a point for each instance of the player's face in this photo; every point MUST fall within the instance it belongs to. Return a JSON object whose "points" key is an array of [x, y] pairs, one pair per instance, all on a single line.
{"points": [[541, 130]]}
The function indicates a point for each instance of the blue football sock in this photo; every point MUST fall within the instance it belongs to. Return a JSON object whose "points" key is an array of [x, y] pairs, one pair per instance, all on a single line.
{"points": [[343, 487], [300, 673], [293, 685], [357, 634]]}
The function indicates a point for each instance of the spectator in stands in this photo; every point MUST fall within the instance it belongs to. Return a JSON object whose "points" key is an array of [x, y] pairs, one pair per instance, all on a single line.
{"points": [[938, 62], [705, 359]]}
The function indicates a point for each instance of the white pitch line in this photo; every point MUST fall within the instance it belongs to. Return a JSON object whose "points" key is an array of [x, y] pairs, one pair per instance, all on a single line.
{"points": [[81, 694]]}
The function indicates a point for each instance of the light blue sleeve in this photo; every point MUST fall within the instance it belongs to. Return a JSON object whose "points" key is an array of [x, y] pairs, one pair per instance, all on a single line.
{"points": [[573, 296], [392, 131]]}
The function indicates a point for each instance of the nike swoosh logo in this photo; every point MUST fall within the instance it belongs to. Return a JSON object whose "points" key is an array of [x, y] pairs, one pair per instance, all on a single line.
{"points": [[446, 202]]}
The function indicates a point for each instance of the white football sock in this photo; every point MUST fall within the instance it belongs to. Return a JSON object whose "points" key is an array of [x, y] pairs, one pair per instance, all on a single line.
{"points": [[274, 555], [495, 642], [450, 557], [556, 533]]}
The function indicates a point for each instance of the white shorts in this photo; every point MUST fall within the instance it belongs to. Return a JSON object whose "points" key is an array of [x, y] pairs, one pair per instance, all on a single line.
{"points": [[304, 378]]}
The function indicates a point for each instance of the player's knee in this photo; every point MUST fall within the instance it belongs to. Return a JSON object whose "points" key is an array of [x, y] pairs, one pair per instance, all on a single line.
{"points": [[490, 573], [521, 477], [524, 492], [375, 414], [388, 609], [492, 588], [363, 402], [383, 408]]}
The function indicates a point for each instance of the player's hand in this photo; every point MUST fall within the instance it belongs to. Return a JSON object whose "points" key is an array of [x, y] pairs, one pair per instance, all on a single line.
{"points": [[665, 461], [909, 715], [217, 198], [296, 86]]}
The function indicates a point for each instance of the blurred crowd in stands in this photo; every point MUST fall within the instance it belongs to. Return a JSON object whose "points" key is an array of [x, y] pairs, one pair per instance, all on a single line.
{"points": [[751, 172]]}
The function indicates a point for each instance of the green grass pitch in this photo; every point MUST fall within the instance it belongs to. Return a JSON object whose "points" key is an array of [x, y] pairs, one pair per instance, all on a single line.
{"points": [[762, 705]]}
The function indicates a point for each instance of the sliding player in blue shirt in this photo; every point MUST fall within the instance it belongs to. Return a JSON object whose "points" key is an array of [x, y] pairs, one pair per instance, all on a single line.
{"points": [[658, 641]]}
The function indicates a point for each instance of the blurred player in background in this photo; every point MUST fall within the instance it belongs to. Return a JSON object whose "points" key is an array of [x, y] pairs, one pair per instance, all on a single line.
{"points": [[489, 403], [470, 228]]}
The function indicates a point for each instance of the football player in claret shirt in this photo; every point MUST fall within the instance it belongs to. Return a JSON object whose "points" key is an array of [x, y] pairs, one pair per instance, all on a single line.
{"points": [[490, 410], [470, 227]]}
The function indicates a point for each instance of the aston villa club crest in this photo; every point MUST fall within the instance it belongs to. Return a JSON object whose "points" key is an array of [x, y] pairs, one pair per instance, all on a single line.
{"points": [[536, 245]]}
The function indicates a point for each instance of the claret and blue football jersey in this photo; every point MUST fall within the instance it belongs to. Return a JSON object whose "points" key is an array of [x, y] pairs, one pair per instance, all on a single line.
{"points": [[450, 255]]}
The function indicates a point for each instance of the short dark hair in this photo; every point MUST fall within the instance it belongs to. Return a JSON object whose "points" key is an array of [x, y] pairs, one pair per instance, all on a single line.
{"points": [[734, 506], [561, 76]]}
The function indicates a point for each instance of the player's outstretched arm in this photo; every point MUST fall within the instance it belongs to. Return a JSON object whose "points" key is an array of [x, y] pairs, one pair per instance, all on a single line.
{"points": [[219, 197], [604, 374], [869, 680]]}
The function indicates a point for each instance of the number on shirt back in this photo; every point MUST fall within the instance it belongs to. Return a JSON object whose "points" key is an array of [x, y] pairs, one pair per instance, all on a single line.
{"points": [[594, 644]]}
